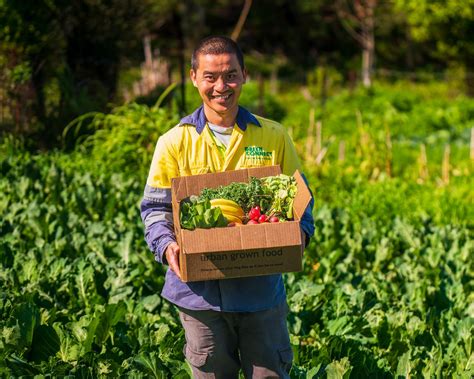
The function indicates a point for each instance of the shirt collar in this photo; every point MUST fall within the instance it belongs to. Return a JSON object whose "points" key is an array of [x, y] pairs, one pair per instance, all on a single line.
{"points": [[198, 119]]}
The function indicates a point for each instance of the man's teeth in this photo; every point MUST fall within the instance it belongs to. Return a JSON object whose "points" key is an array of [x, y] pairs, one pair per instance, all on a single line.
{"points": [[225, 97]]}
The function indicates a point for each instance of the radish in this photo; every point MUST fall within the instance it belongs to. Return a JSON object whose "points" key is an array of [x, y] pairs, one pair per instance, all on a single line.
{"points": [[254, 213], [274, 219]]}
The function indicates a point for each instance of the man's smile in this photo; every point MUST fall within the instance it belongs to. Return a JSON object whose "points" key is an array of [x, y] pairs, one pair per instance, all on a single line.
{"points": [[221, 97]]}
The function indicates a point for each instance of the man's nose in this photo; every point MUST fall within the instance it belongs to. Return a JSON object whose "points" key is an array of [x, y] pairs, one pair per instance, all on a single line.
{"points": [[220, 84]]}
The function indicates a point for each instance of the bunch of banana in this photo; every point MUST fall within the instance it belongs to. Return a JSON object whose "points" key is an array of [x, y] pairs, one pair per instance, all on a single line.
{"points": [[232, 211]]}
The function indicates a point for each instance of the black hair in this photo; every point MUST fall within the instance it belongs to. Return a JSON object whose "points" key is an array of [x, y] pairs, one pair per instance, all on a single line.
{"points": [[217, 45]]}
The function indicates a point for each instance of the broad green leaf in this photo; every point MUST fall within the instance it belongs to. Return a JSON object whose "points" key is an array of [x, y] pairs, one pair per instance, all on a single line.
{"points": [[84, 279], [152, 365], [314, 372], [101, 324], [150, 303], [339, 369], [91, 330], [20, 367], [404, 367], [161, 334], [28, 317], [69, 350], [45, 343], [339, 326]]}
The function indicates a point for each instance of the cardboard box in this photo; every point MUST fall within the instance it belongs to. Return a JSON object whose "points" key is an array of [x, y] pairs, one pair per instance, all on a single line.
{"points": [[248, 250]]}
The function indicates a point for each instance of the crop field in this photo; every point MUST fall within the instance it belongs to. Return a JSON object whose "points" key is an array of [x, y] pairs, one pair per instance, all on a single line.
{"points": [[387, 288]]}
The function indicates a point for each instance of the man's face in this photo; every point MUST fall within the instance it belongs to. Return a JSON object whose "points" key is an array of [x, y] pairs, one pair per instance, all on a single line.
{"points": [[219, 80]]}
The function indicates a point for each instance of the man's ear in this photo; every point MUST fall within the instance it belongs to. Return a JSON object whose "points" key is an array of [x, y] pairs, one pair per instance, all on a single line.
{"points": [[192, 75], [244, 73]]}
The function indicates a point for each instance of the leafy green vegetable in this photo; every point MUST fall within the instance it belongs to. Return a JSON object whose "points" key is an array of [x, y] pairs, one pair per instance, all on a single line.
{"points": [[45, 343], [197, 213], [283, 189], [274, 194], [246, 195]]}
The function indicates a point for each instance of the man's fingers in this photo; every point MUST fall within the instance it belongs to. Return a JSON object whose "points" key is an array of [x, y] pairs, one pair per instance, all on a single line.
{"points": [[172, 256], [174, 264]]}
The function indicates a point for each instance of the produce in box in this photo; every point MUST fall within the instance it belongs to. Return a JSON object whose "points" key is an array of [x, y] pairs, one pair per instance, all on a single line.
{"points": [[261, 200]]}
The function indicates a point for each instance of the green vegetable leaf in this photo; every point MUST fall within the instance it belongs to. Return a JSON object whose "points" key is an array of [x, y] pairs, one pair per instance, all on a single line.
{"points": [[28, 317], [152, 365], [197, 213], [45, 343], [20, 367], [101, 324], [339, 369]]}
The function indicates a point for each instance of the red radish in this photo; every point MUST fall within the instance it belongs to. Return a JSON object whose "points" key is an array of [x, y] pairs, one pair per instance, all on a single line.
{"points": [[252, 222], [231, 224], [254, 213], [263, 218], [274, 219]]}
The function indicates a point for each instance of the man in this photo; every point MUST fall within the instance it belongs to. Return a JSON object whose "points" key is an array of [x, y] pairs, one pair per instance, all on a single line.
{"points": [[229, 324]]}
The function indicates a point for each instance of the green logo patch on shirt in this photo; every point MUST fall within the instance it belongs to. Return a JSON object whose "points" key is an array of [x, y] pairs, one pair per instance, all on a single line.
{"points": [[257, 152]]}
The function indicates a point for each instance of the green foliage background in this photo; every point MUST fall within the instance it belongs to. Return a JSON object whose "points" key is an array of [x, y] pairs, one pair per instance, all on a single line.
{"points": [[387, 285], [60, 59]]}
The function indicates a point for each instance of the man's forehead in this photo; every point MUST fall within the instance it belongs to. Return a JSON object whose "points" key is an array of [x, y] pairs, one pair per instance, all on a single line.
{"points": [[216, 70], [224, 59]]}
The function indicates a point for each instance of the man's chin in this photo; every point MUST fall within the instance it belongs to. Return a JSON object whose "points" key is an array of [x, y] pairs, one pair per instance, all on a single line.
{"points": [[222, 104], [221, 108]]}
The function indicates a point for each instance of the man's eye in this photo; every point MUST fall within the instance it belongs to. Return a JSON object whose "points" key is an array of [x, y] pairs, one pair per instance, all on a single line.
{"points": [[231, 76], [208, 77]]}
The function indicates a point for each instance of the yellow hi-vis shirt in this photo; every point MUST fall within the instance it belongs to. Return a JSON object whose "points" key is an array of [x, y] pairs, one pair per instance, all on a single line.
{"points": [[190, 148]]}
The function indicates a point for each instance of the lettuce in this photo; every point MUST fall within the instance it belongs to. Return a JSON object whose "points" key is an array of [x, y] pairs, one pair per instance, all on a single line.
{"points": [[197, 213]]}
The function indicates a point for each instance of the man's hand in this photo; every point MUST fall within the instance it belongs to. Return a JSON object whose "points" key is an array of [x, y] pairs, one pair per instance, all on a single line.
{"points": [[172, 256]]}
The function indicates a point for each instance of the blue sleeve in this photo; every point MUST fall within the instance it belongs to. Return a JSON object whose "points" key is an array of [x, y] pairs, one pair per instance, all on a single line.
{"points": [[157, 216], [307, 221]]}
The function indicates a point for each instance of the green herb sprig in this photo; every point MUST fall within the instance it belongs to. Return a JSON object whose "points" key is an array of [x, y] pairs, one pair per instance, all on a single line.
{"points": [[246, 195]]}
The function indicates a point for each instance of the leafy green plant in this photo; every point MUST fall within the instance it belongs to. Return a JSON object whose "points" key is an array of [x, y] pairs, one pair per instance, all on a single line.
{"points": [[198, 213], [125, 138], [386, 289]]}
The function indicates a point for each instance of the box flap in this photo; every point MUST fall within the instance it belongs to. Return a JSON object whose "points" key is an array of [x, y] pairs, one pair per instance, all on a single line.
{"points": [[303, 196], [243, 237]]}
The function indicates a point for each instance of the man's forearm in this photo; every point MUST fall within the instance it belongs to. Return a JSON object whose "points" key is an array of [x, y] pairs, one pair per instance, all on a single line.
{"points": [[158, 236], [157, 216]]}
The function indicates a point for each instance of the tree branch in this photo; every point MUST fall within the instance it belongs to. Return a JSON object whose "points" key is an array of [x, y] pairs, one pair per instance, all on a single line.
{"points": [[358, 18], [240, 23], [357, 36]]}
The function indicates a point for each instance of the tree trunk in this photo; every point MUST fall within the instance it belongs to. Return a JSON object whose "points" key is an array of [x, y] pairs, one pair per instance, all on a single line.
{"points": [[38, 83], [367, 65], [147, 50], [362, 15], [368, 44], [182, 61]]}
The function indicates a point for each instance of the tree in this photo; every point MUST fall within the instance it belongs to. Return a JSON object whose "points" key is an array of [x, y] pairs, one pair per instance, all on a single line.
{"points": [[450, 24], [74, 46], [358, 19], [29, 42]]}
